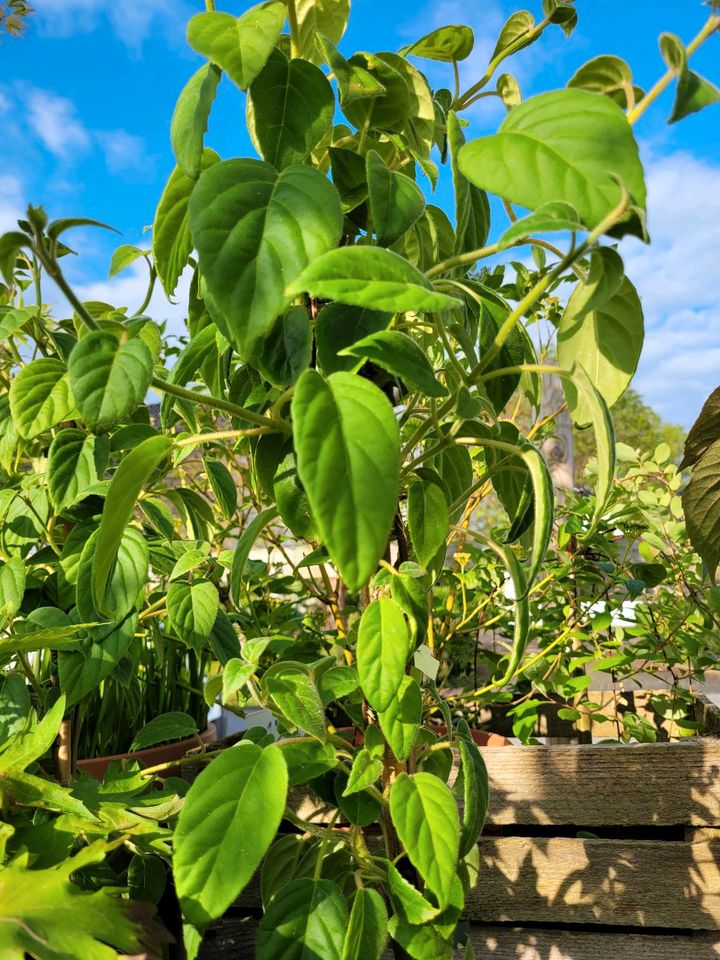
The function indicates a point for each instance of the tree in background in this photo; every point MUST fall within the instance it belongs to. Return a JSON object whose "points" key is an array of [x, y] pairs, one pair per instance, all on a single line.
{"points": [[13, 17], [637, 425]]}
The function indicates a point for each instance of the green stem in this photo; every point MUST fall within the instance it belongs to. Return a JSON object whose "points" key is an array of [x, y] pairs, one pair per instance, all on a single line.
{"points": [[210, 5], [55, 273], [294, 29], [198, 438], [712, 24], [462, 260], [148, 296], [217, 403]]}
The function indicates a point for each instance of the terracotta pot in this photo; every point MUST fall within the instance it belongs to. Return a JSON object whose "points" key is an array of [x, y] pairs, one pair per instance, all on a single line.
{"points": [[165, 753], [481, 737]]}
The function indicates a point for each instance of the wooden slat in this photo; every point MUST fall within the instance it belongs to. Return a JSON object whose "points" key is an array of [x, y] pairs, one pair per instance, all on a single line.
{"points": [[658, 784], [502, 943], [664, 884]]}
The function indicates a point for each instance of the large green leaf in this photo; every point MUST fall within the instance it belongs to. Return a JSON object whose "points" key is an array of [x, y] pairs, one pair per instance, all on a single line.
{"points": [[75, 461], [447, 44], [190, 119], [399, 354], [172, 241], [407, 901], [367, 931], [400, 723], [290, 108], [40, 396], [164, 729], [49, 917], [395, 200], [475, 792], [428, 519], [354, 81], [239, 46], [347, 446], [326, 18], [383, 649], [126, 576], [192, 610], [229, 819], [425, 816], [701, 503], [704, 431], [256, 230], [297, 697], [126, 485], [569, 145], [82, 670], [370, 277], [472, 209], [109, 379], [602, 330], [306, 920]]}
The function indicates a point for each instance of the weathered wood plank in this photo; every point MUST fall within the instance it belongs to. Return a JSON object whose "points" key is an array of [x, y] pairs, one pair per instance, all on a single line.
{"points": [[643, 883], [658, 784], [503, 943]]}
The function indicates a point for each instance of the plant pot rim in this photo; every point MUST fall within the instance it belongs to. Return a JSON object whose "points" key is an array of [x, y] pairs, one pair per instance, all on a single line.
{"points": [[482, 738], [151, 756]]}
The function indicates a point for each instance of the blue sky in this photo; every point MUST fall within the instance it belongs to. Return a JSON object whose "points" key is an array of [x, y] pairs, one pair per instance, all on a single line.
{"points": [[86, 99]]}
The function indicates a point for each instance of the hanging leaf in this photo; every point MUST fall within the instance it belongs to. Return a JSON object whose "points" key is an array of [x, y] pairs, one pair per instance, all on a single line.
{"points": [[190, 119], [370, 277], [693, 91], [83, 669], [400, 722], [239, 46], [383, 649], [290, 108], [396, 201], [399, 354], [126, 577], [428, 519], [192, 610], [305, 919], [406, 899], [172, 242], [577, 144], [365, 771], [610, 76], [354, 81], [12, 586], [701, 504], [705, 430], [367, 931], [40, 397], [290, 220], [425, 816], [602, 330], [339, 326], [348, 458], [125, 255], [287, 350], [297, 697], [475, 791], [164, 729], [223, 486], [472, 209], [446, 44], [229, 818], [243, 548]]}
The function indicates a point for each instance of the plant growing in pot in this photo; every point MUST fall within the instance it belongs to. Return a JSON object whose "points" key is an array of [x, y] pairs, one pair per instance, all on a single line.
{"points": [[362, 368]]}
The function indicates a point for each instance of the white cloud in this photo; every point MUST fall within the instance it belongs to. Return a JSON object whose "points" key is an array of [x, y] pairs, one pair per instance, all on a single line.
{"points": [[123, 151], [12, 202], [132, 21], [678, 279], [54, 121]]}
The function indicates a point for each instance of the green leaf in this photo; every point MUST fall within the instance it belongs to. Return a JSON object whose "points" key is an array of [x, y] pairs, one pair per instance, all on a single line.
{"points": [[82, 670], [370, 277], [338, 326], [400, 355], [163, 729], [235, 676], [126, 576], [34, 742], [243, 548], [320, 17], [354, 82], [307, 759], [704, 431], [395, 200], [425, 942], [407, 900], [472, 209], [290, 108], [190, 119], [12, 586], [49, 917], [367, 931], [229, 819], [289, 220], [223, 486], [386, 112], [701, 503], [126, 485], [568, 145], [297, 697], [516, 32], [190, 359], [109, 379], [347, 447], [383, 648], [548, 217], [10, 245], [172, 240], [694, 93], [239, 46], [364, 772], [608, 75], [602, 330], [125, 254], [508, 90], [425, 816], [287, 350], [428, 519], [401, 721], [16, 713], [306, 919], [192, 609], [40, 396], [475, 793], [446, 44], [75, 461]]}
